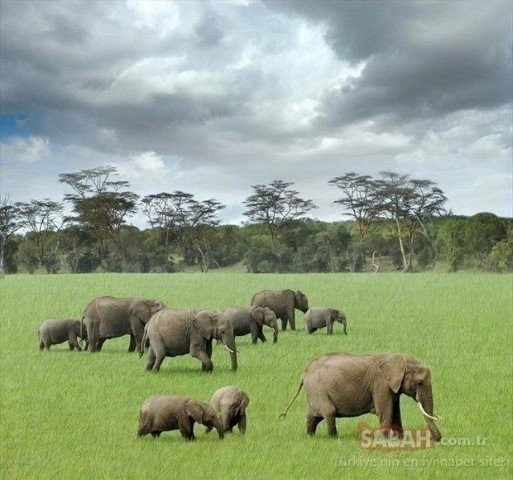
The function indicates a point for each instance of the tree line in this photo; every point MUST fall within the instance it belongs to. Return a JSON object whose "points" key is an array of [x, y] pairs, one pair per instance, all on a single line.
{"points": [[392, 222]]}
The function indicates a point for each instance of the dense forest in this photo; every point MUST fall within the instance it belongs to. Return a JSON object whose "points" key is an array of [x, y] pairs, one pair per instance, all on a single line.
{"points": [[388, 223]]}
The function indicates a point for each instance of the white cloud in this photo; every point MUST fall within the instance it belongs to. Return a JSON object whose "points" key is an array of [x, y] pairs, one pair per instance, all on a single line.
{"points": [[25, 150]]}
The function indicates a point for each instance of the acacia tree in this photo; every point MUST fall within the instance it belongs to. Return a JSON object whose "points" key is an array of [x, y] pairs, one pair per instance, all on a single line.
{"points": [[407, 203], [100, 204], [158, 208], [42, 218], [275, 205], [9, 224], [359, 198]]}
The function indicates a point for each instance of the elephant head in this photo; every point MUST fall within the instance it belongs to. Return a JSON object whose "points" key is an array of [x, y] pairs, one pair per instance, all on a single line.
{"points": [[144, 309], [300, 301], [340, 317], [215, 325], [406, 375], [265, 316], [203, 413]]}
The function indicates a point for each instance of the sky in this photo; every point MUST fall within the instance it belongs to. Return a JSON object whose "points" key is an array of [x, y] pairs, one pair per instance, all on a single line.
{"points": [[213, 97]]}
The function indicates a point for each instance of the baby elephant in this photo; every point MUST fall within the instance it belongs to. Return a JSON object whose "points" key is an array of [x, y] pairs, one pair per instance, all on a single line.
{"points": [[230, 404], [57, 330], [321, 317], [170, 412]]}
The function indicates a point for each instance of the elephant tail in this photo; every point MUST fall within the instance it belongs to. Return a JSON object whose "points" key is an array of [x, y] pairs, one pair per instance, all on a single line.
{"points": [[81, 341], [284, 414], [143, 342]]}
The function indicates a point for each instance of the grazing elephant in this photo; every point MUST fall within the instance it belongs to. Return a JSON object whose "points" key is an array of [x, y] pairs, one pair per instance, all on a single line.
{"points": [[56, 331], [172, 332], [321, 317], [230, 405], [283, 303], [170, 412], [344, 385], [251, 320], [110, 317]]}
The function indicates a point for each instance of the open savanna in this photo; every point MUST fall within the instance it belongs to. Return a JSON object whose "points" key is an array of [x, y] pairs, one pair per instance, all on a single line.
{"points": [[74, 415]]}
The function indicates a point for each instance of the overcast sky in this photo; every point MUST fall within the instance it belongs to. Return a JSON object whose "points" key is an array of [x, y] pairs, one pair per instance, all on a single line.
{"points": [[214, 97]]}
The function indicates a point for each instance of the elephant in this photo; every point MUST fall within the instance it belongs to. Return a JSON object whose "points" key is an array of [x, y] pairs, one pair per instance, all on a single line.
{"points": [[345, 385], [110, 317], [230, 404], [251, 320], [283, 303], [56, 330], [172, 332], [320, 317], [161, 413]]}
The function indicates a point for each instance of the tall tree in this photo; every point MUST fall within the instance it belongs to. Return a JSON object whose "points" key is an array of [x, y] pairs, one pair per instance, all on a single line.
{"points": [[408, 204], [42, 218], [359, 198], [10, 223], [275, 205], [100, 204], [158, 208]]}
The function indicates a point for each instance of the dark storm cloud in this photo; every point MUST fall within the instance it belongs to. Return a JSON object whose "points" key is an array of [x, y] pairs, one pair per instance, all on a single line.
{"points": [[421, 59], [213, 97]]}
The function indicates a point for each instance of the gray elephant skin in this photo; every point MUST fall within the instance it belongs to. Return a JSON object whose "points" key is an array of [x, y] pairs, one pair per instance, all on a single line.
{"points": [[283, 303], [344, 385], [230, 404], [57, 330], [161, 413], [172, 332], [321, 317], [251, 320], [111, 317]]}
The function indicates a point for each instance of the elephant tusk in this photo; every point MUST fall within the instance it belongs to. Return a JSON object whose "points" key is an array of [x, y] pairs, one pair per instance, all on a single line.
{"points": [[228, 348], [432, 417]]}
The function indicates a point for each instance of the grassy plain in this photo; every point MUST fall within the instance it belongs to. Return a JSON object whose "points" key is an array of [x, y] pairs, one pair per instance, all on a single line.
{"points": [[74, 415]]}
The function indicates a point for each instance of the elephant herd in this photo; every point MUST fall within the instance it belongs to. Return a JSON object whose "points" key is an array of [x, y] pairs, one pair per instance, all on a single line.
{"points": [[336, 384]]}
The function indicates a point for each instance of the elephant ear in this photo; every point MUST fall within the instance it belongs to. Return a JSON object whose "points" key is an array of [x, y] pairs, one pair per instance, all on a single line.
{"points": [[258, 315], [194, 410], [204, 323], [394, 368], [334, 313], [141, 311]]}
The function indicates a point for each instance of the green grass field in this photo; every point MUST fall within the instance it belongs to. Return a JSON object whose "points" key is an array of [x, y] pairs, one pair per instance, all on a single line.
{"points": [[74, 415]]}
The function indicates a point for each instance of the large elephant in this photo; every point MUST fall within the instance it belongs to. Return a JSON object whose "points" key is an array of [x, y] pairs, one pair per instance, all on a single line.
{"points": [[230, 404], [344, 385], [110, 317], [173, 332], [320, 317], [251, 320], [283, 303], [170, 412]]}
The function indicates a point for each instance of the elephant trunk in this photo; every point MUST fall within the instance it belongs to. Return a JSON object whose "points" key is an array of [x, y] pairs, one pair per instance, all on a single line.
{"points": [[217, 425], [424, 398], [274, 326], [229, 342]]}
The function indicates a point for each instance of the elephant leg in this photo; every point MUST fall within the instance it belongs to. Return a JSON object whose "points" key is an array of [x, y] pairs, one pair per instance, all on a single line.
{"points": [[311, 423], [99, 344], [283, 324], [310, 330], [41, 344], [242, 423], [186, 426], [202, 356], [92, 336], [160, 354], [131, 346], [73, 341], [329, 326], [331, 424], [397, 425], [384, 407], [151, 359], [292, 320], [261, 335], [156, 433]]}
